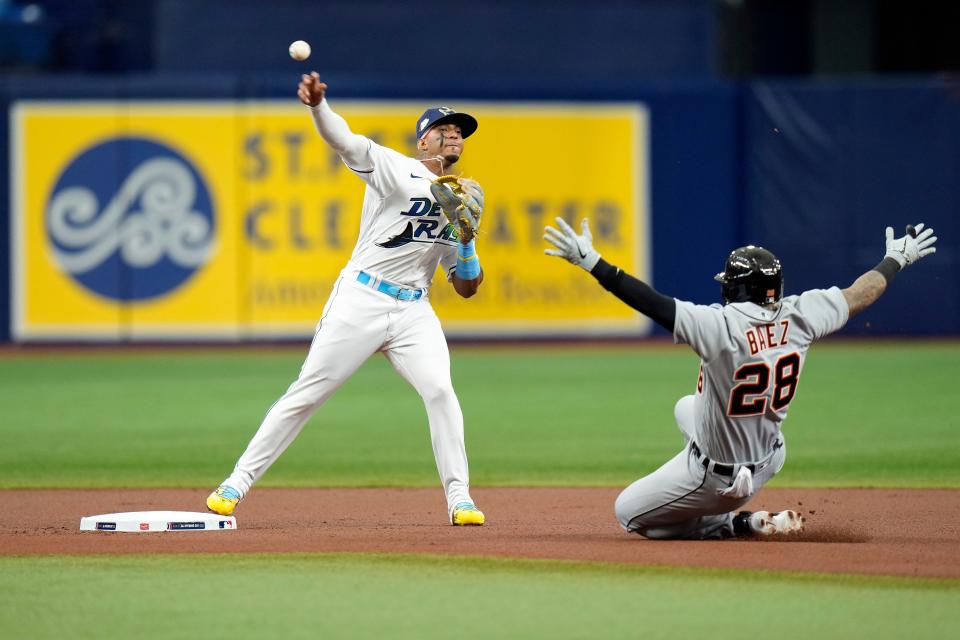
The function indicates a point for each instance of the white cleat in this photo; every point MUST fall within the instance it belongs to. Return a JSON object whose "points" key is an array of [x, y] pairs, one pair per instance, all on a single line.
{"points": [[763, 523]]}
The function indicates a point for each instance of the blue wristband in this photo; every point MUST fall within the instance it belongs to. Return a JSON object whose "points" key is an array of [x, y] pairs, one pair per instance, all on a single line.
{"points": [[468, 263]]}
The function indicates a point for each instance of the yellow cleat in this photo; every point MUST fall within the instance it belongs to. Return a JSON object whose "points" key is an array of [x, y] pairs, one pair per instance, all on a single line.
{"points": [[466, 513], [224, 500]]}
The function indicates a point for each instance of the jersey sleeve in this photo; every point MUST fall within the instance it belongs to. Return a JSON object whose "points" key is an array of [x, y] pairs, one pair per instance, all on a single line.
{"points": [[381, 168], [701, 327], [376, 165], [824, 310]]}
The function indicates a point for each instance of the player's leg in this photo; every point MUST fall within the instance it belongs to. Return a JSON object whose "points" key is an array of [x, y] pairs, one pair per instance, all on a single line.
{"points": [[351, 329], [682, 500], [418, 350], [683, 412], [677, 501]]}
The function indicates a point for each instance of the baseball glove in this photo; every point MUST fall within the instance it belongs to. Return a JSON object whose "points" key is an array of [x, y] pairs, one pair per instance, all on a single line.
{"points": [[462, 202]]}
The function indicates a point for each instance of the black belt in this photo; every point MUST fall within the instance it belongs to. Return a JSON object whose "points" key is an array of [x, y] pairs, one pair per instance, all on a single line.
{"points": [[727, 469]]}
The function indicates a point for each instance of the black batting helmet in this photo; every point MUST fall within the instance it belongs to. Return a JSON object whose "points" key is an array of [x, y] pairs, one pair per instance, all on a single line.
{"points": [[751, 274]]}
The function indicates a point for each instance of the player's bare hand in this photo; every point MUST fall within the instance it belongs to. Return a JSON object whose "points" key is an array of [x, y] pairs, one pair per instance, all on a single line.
{"points": [[310, 90], [917, 243]]}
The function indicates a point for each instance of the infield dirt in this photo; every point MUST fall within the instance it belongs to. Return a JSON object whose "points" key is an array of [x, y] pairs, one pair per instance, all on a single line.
{"points": [[898, 532]]}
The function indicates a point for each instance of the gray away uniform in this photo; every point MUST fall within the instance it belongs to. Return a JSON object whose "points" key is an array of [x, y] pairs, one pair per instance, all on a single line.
{"points": [[751, 359]]}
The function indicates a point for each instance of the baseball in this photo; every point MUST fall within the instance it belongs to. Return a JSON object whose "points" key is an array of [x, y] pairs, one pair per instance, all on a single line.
{"points": [[299, 50]]}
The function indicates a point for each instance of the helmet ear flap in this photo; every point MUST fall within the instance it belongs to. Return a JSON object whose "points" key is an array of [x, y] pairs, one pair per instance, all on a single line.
{"points": [[729, 292]]}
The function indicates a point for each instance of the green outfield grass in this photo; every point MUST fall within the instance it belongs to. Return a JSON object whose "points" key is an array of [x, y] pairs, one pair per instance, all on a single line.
{"points": [[878, 414], [340, 596], [881, 414]]}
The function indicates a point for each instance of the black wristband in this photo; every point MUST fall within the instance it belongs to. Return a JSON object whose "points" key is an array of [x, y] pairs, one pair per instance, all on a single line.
{"points": [[607, 274], [888, 268], [636, 293]]}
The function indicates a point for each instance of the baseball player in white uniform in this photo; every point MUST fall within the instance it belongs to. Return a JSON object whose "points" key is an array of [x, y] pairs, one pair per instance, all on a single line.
{"points": [[752, 351], [381, 301]]}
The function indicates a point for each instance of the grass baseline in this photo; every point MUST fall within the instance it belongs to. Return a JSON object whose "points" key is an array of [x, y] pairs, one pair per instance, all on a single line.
{"points": [[518, 565], [406, 596]]}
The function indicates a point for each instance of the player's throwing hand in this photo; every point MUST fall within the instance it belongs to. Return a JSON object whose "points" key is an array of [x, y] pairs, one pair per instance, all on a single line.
{"points": [[576, 249], [310, 90]]}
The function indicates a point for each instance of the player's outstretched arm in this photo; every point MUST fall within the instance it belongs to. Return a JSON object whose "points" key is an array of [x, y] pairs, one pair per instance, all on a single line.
{"points": [[353, 148], [865, 290], [578, 249]]}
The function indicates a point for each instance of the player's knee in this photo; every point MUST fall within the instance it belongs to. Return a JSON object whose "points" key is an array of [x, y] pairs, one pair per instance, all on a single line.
{"points": [[625, 511], [683, 414], [437, 393], [301, 404]]}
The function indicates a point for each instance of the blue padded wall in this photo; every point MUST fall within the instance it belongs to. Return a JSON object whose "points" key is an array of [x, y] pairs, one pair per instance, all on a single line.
{"points": [[829, 165], [603, 39]]}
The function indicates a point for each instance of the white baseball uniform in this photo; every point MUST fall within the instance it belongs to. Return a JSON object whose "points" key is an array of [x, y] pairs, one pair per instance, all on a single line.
{"points": [[380, 302], [751, 359]]}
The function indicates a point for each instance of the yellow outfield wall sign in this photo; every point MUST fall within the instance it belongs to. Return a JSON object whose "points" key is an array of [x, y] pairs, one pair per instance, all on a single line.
{"points": [[225, 220]]}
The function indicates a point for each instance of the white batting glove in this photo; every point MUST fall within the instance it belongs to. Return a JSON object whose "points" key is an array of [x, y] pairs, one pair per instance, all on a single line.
{"points": [[576, 249], [910, 248]]}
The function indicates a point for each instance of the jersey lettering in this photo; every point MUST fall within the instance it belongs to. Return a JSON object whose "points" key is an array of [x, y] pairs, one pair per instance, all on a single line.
{"points": [[765, 336], [422, 207], [755, 378], [752, 342], [768, 330], [786, 377], [448, 233], [425, 227]]}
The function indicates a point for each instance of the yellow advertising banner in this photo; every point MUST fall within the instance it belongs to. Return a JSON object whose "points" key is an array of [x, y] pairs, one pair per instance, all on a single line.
{"points": [[224, 220]]}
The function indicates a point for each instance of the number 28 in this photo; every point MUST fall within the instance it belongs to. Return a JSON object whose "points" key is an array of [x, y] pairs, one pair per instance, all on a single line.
{"points": [[755, 378]]}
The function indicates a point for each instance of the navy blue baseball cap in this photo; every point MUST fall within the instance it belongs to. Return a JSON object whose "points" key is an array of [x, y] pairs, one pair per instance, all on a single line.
{"points": [[441, 115]]}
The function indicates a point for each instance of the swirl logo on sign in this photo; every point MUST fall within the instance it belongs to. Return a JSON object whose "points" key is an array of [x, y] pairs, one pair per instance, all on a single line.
{"points": [[130, 219]]}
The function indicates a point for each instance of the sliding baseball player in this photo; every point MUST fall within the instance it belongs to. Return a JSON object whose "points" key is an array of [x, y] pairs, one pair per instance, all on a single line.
{"points": [[752, 351]]}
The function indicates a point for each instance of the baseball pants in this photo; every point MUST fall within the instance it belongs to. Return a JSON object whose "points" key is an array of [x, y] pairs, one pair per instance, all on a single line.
{"points": [[681, 499], [357, 322]]}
